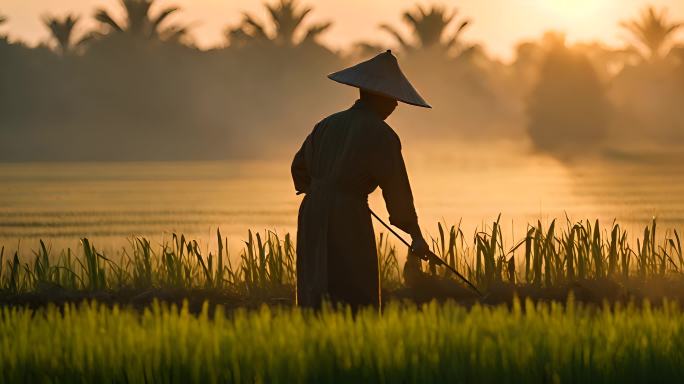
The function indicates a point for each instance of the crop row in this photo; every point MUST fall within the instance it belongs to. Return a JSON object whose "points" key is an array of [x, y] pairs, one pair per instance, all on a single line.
{"points": [[431, 343], [544, 257]]}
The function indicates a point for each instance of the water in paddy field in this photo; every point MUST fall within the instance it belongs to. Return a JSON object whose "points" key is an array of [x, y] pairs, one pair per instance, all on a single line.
{"points": [[109, 202]]}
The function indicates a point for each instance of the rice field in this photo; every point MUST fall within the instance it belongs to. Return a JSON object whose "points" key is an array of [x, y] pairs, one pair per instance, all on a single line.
{"points": [[108, 202], [432, 343], [546, 257], [96, 259]]}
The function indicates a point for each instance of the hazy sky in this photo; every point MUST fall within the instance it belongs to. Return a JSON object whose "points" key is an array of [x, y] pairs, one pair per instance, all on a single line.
{"points": [[497, 24]]}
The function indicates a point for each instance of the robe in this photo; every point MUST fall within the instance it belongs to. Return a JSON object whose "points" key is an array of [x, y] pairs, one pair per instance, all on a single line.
{"points": [[345, 158]]}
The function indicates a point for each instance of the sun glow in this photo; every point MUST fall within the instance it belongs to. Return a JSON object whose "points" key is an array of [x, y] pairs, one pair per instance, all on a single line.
{"points": [[498, 24], [574, 10]]}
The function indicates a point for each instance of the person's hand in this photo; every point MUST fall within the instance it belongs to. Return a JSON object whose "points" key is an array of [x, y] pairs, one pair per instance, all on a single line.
{"points": [[413, 270], [419, 247]]}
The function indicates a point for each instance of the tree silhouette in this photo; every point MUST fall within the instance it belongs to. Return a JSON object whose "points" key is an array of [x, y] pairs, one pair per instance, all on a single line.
{"points": [[568, 109], [62, 32], [429, 29], [140, 23], [677, 53], [652, 32], [3, 37], [286, 19]]}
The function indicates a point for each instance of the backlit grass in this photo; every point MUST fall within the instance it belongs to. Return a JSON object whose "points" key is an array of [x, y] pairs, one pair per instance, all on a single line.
{"points": [[433, 343], [545, 257]]}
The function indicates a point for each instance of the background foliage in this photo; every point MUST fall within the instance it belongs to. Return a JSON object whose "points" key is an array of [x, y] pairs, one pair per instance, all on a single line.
{"points": [[136, 88]]}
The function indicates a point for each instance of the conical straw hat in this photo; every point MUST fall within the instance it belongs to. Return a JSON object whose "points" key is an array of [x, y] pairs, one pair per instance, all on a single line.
{"points": [[383, 76]]}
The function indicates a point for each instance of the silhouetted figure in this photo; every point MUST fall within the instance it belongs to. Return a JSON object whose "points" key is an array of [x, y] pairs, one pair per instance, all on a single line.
{"points": [[346, 157]]}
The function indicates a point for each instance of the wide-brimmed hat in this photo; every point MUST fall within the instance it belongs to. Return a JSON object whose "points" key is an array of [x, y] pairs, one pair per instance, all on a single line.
{"points": [[383, 76]]}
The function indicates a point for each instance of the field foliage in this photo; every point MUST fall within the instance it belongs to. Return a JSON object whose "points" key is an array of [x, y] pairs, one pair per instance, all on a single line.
{"points": [[432, 343], [545, 257]]}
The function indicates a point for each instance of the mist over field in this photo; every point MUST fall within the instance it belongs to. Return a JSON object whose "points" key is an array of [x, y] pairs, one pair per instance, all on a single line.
{"points": [[582, 129], [135, 88], [150, 230]]}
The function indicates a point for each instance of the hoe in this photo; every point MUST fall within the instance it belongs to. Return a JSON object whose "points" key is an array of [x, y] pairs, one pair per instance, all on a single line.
{"points": [[429, 256]]}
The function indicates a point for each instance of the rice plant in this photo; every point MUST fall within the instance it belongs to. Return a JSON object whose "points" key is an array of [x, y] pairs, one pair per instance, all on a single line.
{"points": [[264, 264], [545, 257], [388, 263], [432, 343], [550, 255]]}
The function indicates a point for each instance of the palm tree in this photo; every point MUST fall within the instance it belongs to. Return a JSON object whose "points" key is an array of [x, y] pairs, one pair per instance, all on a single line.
{"points": [[62, 31], [140, 23], [652, 31], [568, 110], [429, 29], [3, 37], [287, 19]]}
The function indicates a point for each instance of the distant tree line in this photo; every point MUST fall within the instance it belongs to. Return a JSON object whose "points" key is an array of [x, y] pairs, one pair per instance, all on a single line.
{"points": [[587, 97], [136, 87]]}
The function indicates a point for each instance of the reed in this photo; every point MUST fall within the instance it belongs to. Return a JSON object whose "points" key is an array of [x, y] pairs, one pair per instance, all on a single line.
{"points": [[549, 255], [546, 256]]}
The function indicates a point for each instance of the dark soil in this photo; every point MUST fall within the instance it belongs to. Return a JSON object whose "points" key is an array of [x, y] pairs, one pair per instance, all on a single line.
{"points": [[141, 299], [589, 292]]}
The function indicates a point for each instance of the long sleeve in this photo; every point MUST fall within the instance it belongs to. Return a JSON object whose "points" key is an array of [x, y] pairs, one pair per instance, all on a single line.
{"points": [[299, 169], [396, 189]]}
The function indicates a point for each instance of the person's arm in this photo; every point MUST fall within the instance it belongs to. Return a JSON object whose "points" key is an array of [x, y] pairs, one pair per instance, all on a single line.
{"points": [[300, 172], [396, 189]]}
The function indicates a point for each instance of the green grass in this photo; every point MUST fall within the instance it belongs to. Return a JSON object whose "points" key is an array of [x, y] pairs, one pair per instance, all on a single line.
{"points": [[434, 343], [546, 256], [265, 263], [431, 343]]}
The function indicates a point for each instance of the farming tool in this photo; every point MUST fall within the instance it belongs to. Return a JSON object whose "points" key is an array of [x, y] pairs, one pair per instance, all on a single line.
{"points": [[429, 255]]}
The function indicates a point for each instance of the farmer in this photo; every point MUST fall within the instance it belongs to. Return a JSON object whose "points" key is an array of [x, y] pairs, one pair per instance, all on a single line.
{"points": [[346, 157]]}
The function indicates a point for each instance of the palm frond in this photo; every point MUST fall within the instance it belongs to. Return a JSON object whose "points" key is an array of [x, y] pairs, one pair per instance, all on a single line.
{"points": [[429, 25], [162, 16], [62, 30], [299, 19], [454, 41], [411, 19], [316, 30], [287, 19], [397, 36], [255, 28], [103, 17], [652, 31], [423, 12], [449, 17], [674, 28]]}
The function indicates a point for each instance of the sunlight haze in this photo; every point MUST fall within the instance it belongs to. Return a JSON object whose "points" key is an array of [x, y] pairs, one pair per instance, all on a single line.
{"points": [[497, 24]]}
